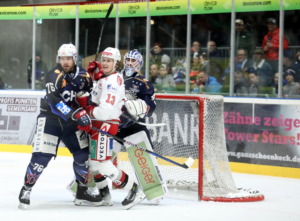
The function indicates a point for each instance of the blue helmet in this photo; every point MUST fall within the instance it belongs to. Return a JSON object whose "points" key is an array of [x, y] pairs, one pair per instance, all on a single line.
{"points": [[133, 62]]}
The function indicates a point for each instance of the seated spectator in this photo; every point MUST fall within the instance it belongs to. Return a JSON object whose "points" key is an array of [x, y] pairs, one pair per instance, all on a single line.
{"points": [[165, 81], [210, 66], [214, 54], [154, 73], [158, 55], [179, 71], [40, 72], [240, 88], [195, 69], [291, 89], [196, 49], [206, 83], [275, 83], [263, 68], [242, 61], [253, 79], [2, 84], [297, 57], [289, 62]]}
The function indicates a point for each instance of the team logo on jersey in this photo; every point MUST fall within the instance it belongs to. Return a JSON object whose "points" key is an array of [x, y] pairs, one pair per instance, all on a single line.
{"points": [[111, 88], [63, 108], [119, 80], [63, 83]]}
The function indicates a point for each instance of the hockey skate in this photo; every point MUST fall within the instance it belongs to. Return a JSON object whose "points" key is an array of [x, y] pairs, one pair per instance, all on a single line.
{"points": [[106, 196], [84, 198], [24, 197], [134, 197]]}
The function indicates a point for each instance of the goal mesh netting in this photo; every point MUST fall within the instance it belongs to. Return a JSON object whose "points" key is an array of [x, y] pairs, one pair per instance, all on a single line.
{"points": [[194, 127]]}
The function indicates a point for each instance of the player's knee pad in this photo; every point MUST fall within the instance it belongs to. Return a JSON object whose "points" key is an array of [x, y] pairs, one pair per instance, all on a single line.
{"points": [[41, 159]]}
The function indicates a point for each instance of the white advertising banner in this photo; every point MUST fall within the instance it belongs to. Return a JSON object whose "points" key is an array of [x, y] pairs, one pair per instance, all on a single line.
{"points": [[18, 112]]}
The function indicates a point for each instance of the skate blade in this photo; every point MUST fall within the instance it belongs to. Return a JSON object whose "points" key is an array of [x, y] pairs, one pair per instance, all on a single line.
{"points": [[137, 200], [87, 203], [23, 206]]}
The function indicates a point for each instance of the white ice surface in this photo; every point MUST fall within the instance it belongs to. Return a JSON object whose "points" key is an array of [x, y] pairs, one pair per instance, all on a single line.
{"points": [[51, 201]]}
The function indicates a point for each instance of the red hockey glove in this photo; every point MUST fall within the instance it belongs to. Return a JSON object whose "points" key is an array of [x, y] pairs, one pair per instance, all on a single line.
{"points": [[83, 120], [95, 70], [82, 99], [89, 109]]}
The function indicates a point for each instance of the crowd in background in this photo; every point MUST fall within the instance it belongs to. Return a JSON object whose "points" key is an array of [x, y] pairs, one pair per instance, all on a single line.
{"points": [[255, 66]]}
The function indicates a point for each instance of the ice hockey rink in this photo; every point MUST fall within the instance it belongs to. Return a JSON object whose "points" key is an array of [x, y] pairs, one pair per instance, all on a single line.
{"points": [[50, 200]]}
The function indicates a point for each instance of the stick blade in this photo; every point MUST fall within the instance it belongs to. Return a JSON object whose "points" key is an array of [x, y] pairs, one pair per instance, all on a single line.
{"points": [[189, 162]]}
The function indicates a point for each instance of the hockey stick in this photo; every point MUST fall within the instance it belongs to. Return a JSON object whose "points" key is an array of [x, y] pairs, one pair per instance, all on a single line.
{"points": [[144, 124], [102, 27], [185, 165]]}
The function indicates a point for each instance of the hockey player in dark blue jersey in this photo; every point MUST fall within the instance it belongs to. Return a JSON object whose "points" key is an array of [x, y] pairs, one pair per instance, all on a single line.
{"points": [[61, 119]]}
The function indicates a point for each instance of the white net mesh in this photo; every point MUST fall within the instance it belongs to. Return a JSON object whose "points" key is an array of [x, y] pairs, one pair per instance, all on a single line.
{"points": [[194, 126]]}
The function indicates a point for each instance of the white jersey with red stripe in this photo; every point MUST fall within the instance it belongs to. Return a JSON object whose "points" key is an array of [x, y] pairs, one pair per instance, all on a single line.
{"points": [[109, 95]]}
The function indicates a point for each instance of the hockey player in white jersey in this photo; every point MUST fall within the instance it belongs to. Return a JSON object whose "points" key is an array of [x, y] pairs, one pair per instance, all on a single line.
{"points": [[140, 102], [108, 97]]}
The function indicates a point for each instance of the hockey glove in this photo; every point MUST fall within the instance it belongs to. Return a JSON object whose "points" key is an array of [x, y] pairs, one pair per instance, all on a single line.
{"points": [[137, 108], [95, 70], [89, 109], [83, 120], [82, 99]]}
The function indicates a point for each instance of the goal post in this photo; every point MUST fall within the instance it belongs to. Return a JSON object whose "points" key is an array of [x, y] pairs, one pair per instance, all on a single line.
{"points": [[194, 127]]}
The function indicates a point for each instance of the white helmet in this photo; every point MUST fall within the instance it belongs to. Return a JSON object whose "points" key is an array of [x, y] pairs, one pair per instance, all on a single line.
{"points": [[133, 62], [112, 53], [67, 50]]}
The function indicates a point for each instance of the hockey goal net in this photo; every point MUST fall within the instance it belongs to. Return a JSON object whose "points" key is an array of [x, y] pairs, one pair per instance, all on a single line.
{"points": [[194, 127]]}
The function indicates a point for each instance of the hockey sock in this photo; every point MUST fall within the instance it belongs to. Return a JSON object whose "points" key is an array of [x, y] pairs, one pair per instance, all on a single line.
{"points": [[38, 163]]}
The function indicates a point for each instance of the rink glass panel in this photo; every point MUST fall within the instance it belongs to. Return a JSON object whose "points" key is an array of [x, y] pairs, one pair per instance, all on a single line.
{"points": [[16, 50]]}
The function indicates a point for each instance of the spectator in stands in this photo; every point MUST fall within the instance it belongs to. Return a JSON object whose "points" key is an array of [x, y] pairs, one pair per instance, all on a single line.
{"points": [[154, 73], [240, 84], [243, 62], [244, 39], [210, 66], [196, 49], [262, 68], [158, 55], [2, 84], [165, 81], [179, 71], [297, 57], [290, 63], [206, 83], [270, 43], [212, 50], [40, 72], [275, 83], [195, 69], [291, 89], [214, 54], [253, 80], [14, 77]]}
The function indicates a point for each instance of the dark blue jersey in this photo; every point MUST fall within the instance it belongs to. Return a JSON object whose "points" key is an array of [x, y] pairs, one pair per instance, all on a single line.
{"points": [[62, 88], [138, 87]]}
